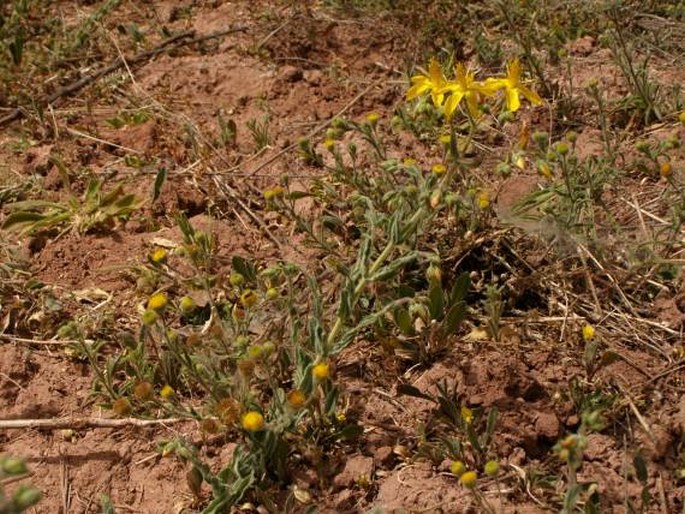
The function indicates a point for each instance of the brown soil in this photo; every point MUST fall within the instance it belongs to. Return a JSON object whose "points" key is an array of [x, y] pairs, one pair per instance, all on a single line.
{"points": [[300, 74]]}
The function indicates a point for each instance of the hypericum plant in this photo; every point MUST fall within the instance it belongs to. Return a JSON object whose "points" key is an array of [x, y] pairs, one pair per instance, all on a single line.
{"points": [[570, 451]]}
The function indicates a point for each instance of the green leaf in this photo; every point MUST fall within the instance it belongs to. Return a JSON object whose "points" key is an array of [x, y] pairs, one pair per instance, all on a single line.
{"points": [[571, 498], [410, 390], [436, 302], [106, 504], [640, 467], [455, 316], [460, 288], [22, 220], [159, 183], [403, 321]]}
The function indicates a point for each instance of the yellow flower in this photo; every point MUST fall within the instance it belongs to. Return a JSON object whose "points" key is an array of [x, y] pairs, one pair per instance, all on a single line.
{"points": [[588, 332], [468, 479], [408, 161], [483, 200], [665, 170], [329, 144], [157, 302], [458, 468], [466, 415], [321, 371], [438, 169], [513, 87], [296, 399], [159, 256], [464, 86], [433, 82], [372, 118], [166, 392], [252, 421]]}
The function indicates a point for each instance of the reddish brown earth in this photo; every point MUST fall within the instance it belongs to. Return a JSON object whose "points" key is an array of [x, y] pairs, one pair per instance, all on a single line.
{"points": [[302, 69]]}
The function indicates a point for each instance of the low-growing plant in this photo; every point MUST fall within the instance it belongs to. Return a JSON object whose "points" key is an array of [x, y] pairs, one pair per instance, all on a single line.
{"points": [[97, 210]]}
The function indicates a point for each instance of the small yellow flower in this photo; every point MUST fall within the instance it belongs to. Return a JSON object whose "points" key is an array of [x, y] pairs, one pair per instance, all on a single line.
{"points": [[439, 169], [166, 392], [159, 256], [372, 118], [458, 468], [588, 332], [466, 415], [468, 479], [408, 161], [329, 144], [513, 87], [252, 421], [433, 82], [248, 298], [321, 371], [665, 170], [296, 399], [272, 293], [465, 87], [445, 139], [157, 302], [483, 200]]}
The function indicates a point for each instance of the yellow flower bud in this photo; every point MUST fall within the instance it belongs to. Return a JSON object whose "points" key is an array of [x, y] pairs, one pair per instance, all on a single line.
{"points": [[321, 371], [296, 399], [248, 298], [150, 317], [157, 302], [491, 468], [466, 415], [159, 256], [187, 304], [236, 279], [458, 468], [439, 169], [252, 421], [483, 200], [665, 170], [588, 332], [468, 479], [372, 118], [166, 392], [681, 117], [329, 144]]}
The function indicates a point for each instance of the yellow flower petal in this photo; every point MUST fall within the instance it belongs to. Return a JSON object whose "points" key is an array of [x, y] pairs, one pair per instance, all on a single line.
{"points": [[512, 98], [530, 95]]}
